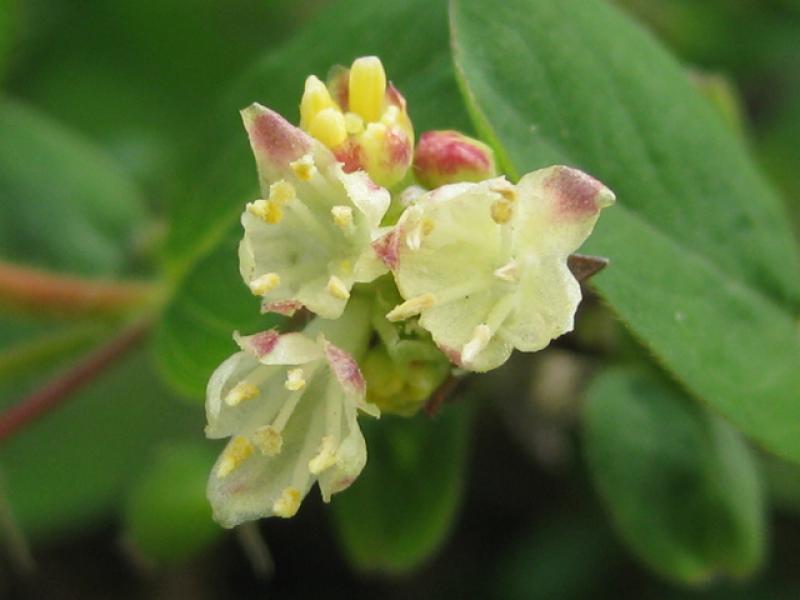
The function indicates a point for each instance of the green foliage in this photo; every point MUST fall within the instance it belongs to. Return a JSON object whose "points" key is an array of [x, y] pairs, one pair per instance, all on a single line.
{"points": [[6, 26], [401, 508], [75, 465], [564, 559], [65, 205], [705, 269], [680, 484], [167, 515]]}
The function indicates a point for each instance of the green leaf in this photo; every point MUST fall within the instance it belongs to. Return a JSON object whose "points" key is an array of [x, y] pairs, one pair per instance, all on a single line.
{"points": [[74, 465], [6, 37], [566, 557], [210, 300], [682, 487], [403, 505], [167, 515], [63, 203], [704, 267]]}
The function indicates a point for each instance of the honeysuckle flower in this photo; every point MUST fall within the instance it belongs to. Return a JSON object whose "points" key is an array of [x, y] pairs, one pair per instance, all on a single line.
{"points": [[362, 119], [484, 265], [289, 405], [444, 157], [307, 241]]}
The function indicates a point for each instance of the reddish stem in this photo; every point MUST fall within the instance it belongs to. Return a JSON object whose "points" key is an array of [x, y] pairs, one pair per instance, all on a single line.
{"points": [[56, 391], [40, 290]]}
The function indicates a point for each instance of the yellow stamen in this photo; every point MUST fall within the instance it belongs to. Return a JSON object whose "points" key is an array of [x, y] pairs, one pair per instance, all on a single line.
{"points": [[326, 457], [328, 127], [239, 450], [343, 217], [266, 210], [294, 380], [479, 341], [506, 189], [268, 440], [288, 503], [263, 285], [282, 192], [411, 307], [316, 98], [501, 212], [337, 288], [346, 267], [241, 392], [304, 167], [367, 87]]}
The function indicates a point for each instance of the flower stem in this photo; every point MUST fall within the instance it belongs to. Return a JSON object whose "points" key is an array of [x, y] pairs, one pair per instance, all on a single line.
{"points": [[57, 390], [42, 291]]}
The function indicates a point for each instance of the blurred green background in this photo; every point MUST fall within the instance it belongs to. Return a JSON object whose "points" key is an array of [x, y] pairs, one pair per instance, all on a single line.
{"points": [[122, 158]]}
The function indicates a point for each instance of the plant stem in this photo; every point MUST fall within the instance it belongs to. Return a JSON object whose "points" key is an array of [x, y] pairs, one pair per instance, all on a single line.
{"points": [[57, 390], [42, 291]]}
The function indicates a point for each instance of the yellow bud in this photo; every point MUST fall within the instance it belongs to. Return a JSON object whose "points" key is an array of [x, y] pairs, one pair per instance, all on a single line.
{"points": [[367, 87], [328, 126], [315, 98]]}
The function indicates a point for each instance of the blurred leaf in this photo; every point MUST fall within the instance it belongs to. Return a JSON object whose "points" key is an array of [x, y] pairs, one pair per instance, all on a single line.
{"points": [[705, 269], [167, 516], [125, 72], [777, 147], [73, 466], [195, 333], [211, 301], [566, 559], [402, 507], [680, 484], [63, 203], [6, 24]]}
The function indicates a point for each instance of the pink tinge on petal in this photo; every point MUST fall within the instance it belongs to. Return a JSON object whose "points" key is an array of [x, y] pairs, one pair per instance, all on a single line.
{"points": [[398, 148], [273, 138], [286, 308], [349, 154], [260, 344], [453, 355], [575, 193], [448, 153], [345, 368], [387, 248], [394, 97]]}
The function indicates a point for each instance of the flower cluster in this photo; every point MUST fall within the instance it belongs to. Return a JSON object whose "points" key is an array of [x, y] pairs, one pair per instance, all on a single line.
{"points": [[457, 266]]}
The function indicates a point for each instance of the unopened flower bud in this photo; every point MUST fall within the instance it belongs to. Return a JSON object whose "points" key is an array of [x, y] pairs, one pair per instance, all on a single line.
{"points": [[444, 157]]}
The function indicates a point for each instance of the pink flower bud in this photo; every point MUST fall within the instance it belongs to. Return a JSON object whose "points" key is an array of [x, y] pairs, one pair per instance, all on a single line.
{"points": [[444, 157]]}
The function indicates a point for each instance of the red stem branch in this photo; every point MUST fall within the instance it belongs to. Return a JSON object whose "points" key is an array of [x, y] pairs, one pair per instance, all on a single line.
{"points": [[59, 389], [40, 290]]}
